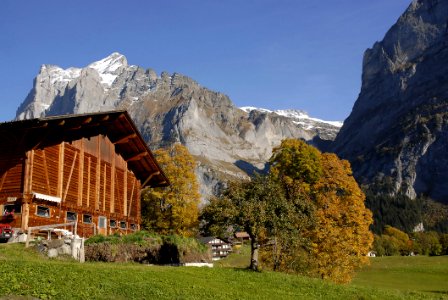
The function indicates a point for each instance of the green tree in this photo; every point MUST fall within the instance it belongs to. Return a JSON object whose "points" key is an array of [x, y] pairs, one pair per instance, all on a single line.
{"points": [[428, 243], [393, 242], [257, 206], [173, 209], [399, 239]]}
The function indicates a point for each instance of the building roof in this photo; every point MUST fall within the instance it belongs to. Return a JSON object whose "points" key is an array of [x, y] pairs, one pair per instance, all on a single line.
{"points": [[208, 239], [242, 235], [21, 136]]}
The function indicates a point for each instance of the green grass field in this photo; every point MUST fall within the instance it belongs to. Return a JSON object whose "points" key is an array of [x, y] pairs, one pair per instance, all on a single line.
{"points": [[24, 272], [417, 273]]}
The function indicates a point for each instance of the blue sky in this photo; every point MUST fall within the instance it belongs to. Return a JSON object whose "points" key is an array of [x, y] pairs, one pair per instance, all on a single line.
{"points": [[276, 54]]}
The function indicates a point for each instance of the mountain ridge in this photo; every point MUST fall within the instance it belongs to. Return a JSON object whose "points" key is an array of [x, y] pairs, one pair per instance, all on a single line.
{"points": [[171, 108]]}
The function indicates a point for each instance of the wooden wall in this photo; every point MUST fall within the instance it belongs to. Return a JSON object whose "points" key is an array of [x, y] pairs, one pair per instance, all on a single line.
{"points": [[11, 176], [11, 184], [87, 175]]}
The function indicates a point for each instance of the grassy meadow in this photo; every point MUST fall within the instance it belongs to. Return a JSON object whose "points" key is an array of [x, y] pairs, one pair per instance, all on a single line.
{"points": [[25, 272], [406, 273]]}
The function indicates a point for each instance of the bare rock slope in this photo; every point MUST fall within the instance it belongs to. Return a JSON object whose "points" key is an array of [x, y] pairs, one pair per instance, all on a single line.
{"points": [[398, 129], [227, 141]]}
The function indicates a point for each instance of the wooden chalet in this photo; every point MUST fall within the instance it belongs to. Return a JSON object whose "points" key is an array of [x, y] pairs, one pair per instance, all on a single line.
{"points": [[86, 168], [220, 249]]}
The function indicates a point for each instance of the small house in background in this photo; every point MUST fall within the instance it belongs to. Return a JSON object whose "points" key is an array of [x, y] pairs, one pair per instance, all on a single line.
{"points": [[242, 236], [220, 249], [88, 169]]}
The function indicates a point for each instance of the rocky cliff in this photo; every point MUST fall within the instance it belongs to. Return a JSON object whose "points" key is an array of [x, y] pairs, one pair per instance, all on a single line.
{"points": [[225, 140], [397, 132]]}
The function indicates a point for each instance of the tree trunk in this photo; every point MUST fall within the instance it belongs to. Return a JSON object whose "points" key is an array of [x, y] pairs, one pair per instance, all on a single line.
{"points": [[254, 253]]}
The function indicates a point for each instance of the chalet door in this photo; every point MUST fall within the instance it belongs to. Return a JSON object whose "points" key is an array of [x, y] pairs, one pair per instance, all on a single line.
{"points": [[102, 225]]}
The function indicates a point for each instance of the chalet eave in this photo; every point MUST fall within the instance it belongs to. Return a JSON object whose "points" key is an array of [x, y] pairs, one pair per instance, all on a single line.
{"points": [[116, 125]]}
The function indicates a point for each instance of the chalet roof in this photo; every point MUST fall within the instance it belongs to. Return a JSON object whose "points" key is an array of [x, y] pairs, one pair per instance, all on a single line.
{"points": [[208, 239], [242, 235], [21, 136]]}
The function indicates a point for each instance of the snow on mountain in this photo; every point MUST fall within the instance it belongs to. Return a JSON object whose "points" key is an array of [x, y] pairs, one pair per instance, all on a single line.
{"points": [[248, 109], [58, 74], [108, 68], [299, 117]]}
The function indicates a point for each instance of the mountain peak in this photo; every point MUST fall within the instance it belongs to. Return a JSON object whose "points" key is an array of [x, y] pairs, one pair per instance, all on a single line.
{"points": [[110, 67]]}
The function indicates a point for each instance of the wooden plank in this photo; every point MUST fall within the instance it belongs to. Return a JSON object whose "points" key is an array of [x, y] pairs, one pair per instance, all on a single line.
{"points": [[117, 191], [125, 192], [87, 120], [51, 226], [88, 180], [3, 180], [30, 180], [27, 175], [69, 177], [44, 158], [104, 187], [98, 175], [25, 214], [81, 172], [137, 204], [150, 177], [126, 139], [60, 170], [132, 197], [137, 156], [112, 180]]}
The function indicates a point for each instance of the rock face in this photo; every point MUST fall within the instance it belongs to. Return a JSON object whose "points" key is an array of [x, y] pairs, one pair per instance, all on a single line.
{"points": [[225, 140], [398, 129]]}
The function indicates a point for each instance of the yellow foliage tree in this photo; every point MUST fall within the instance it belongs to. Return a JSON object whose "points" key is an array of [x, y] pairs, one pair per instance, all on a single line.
{"points": [[341, 237], [173, 209]]}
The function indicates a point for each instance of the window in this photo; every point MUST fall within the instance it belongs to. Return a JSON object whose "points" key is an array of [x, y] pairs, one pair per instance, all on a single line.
{"points": [[43, 211], [87, 219], [113, 224], [134, 226], [10, 209], [123, 225], [72, 216], [102, 222]]}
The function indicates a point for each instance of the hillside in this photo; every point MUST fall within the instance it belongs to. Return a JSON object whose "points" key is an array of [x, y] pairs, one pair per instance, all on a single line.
{"points": [[28, 274]]}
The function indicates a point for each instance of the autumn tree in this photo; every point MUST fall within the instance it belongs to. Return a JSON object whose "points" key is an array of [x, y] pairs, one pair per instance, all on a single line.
{"points": [[340, 237], [308, 214], [296, 164], [173, 209]]}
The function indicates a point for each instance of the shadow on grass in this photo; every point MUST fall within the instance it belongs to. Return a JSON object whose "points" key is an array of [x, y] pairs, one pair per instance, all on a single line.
{"points": [[439, 292], [245, 270]]}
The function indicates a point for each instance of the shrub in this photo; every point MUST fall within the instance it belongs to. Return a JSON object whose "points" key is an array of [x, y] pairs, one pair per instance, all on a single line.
{"points": [[146, 247]]}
